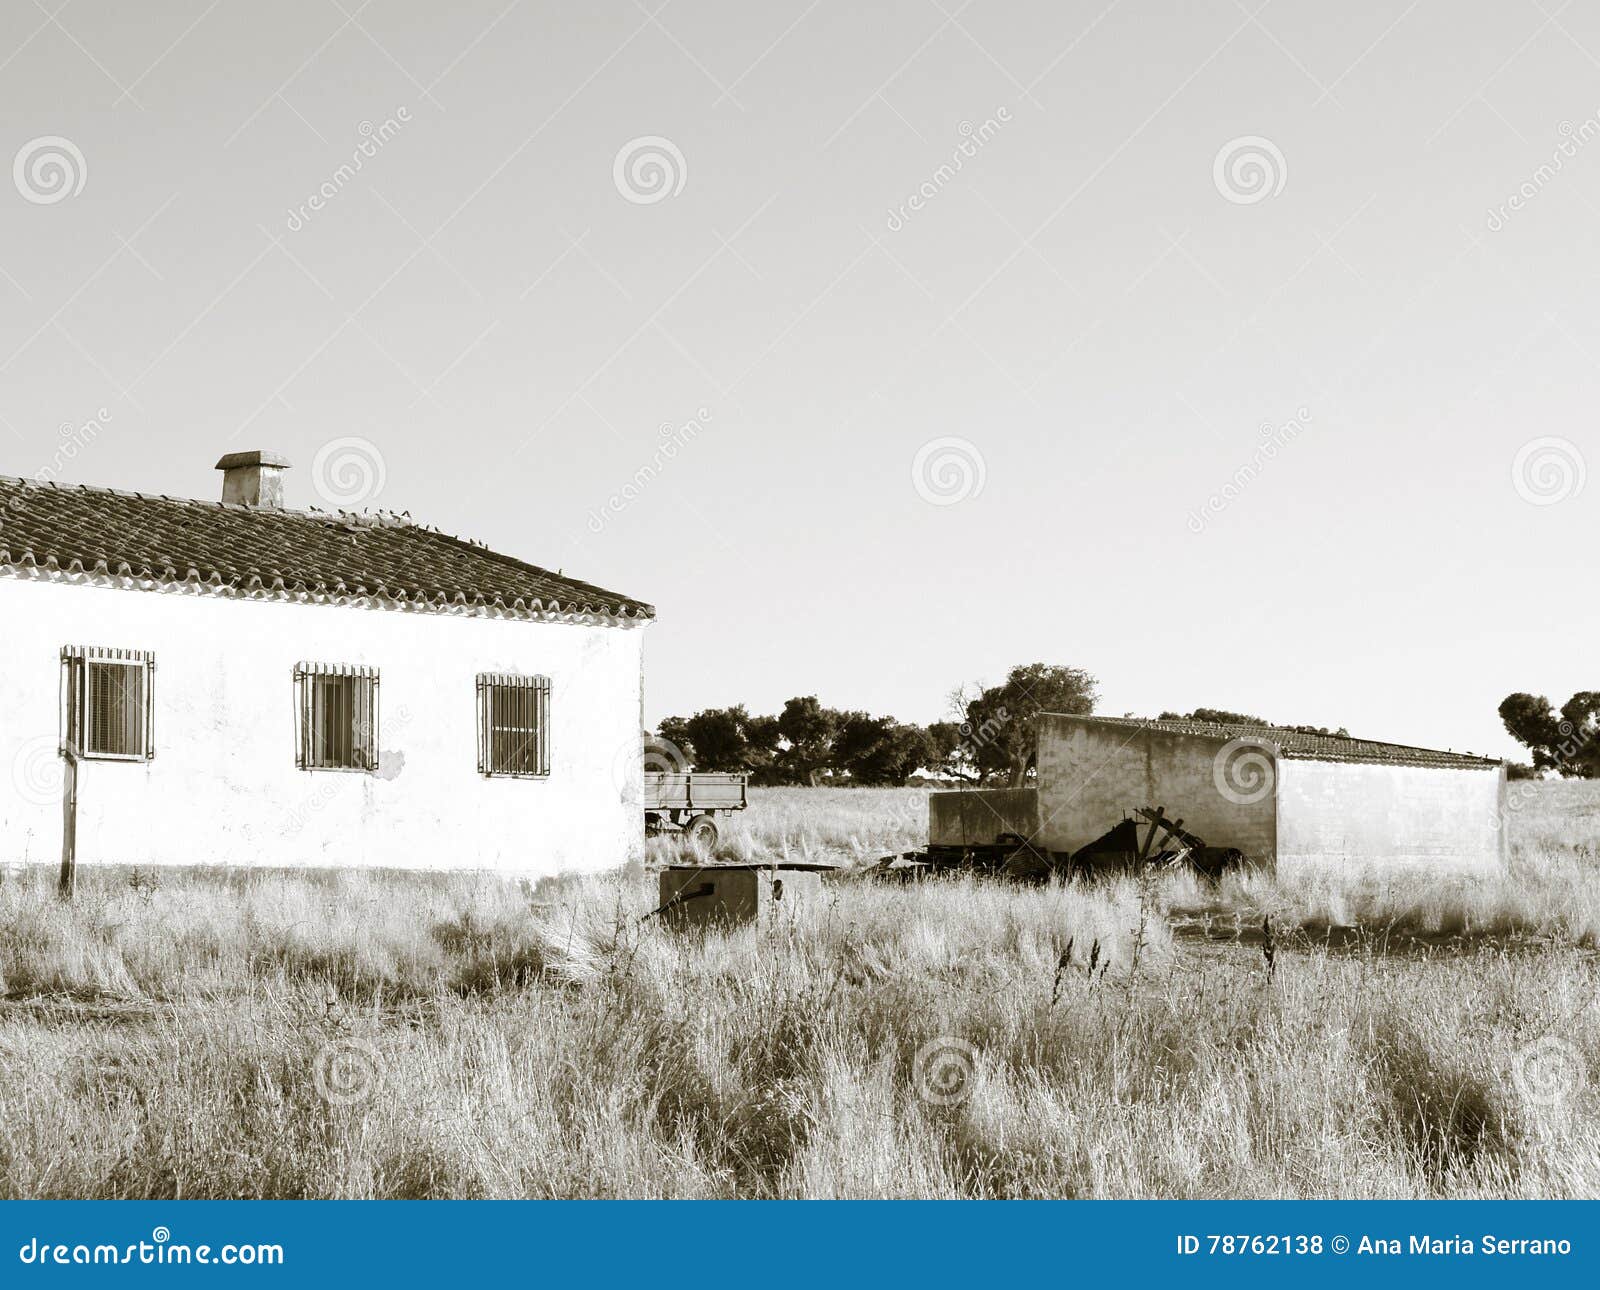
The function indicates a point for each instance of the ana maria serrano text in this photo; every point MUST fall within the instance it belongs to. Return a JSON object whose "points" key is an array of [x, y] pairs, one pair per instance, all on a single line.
{"points": [[1485, 1244]]}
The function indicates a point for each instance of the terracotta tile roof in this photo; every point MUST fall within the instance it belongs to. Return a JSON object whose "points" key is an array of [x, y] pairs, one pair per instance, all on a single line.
{"points": [[338, 555], [1299, 745]]}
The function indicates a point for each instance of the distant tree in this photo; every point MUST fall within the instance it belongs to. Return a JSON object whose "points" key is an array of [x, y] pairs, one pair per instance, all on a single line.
{"points": [[761, 733], [879, 750], [718, 738], [1220, 716], [1003, 720], [808, 728], [1532, 722], [723, 739], [857, 741], [1567, 742], [674, 731], [1520, 770], [944, 741], [908, 750]]}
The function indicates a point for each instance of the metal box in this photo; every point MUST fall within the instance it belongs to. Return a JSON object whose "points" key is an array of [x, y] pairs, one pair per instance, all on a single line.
{"points": [[725, 895]]}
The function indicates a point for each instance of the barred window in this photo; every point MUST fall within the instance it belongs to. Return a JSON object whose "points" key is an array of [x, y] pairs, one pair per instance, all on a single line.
{"points": [[107, 698], [513, 725], [336, 717]]}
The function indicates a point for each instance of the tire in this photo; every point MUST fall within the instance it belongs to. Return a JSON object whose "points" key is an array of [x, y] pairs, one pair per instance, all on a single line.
{"points": [[702, 830]]}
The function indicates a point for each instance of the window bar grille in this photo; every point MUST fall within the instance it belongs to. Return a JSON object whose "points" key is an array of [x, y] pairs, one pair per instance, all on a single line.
{"points": [[513, 725], [108, 702], [337, 707]]}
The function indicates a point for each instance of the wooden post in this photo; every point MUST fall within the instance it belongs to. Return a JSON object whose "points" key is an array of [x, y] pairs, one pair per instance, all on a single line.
{"points": [[69, 824]]}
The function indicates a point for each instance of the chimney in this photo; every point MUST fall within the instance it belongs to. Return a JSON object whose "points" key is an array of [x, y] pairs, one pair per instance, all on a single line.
{"points": [[253, 479]]}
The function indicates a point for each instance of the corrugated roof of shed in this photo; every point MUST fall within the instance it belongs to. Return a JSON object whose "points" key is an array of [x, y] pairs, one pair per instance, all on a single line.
{"points": [[1300, 745]]}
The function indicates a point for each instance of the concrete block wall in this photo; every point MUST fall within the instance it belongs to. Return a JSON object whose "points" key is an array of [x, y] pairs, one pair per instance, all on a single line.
{"points": [[1356, 814], [1092, 775]]}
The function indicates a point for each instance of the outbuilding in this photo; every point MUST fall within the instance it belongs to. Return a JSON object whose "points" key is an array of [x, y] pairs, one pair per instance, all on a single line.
{"points": [[1285, 798]]}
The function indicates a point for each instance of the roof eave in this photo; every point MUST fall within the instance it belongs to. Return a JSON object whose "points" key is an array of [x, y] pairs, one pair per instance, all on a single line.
{"points": [[125, 577]]}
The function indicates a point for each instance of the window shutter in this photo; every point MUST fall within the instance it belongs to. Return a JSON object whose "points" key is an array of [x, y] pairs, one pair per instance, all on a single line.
{"points": [[541, 692], [108, 703], [483, 724], [366, 711], [302, 718]]}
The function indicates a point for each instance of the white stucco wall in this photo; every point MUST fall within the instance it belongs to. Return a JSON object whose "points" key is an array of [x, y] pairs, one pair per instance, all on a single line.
{"points": [[1092, 775], [1350, 815], [223, 787]]}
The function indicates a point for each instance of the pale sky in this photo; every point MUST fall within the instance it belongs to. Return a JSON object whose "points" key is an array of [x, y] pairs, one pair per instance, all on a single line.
{"points": [[1171, 226]]}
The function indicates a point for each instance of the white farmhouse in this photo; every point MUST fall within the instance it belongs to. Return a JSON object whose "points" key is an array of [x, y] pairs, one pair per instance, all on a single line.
{"points": [[248, 684]]}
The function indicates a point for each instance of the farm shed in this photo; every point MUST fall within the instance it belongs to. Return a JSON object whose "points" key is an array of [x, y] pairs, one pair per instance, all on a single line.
{"points": [[1282, 797], [249, 684]]}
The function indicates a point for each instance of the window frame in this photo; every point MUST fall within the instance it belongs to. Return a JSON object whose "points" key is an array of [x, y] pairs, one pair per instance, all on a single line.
{"points": [[77, 727], [537, 689], [310, 736]]}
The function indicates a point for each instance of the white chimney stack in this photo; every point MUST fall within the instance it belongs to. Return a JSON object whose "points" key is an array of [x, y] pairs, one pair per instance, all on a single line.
{"points": [[253, 479]]}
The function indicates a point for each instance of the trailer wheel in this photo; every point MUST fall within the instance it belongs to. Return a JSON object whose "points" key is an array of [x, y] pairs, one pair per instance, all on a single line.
{"points": [[702, 830]]}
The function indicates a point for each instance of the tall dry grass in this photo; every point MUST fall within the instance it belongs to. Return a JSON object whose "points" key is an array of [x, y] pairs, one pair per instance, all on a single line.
{"points": [[368, 1035], [850, 826], [1549, 891]]}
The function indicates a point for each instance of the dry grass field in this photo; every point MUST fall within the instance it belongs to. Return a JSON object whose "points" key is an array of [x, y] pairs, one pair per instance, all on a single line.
{"points": [[347, 1035]]}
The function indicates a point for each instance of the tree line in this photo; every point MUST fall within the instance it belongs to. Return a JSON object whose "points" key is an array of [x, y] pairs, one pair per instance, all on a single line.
{"points": [[988, 738], [990, 735]]}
